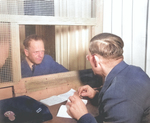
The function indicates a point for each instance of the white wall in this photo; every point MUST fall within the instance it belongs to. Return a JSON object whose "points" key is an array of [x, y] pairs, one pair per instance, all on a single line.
{"points": [[129, 19]]}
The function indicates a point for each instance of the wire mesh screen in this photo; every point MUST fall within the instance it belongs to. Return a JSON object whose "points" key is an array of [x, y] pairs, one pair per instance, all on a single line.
{"points": [[5, 53], [40, 8], [61, 8], [27, 7], [9, 9]]}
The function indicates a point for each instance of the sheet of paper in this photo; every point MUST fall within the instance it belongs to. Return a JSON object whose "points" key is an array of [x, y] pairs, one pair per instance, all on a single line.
{"points": [[53, 100], [63, 110], [67, 94]]}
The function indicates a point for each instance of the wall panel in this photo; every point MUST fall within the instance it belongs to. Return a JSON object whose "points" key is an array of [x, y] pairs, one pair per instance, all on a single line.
{"points": [[148, 45], [117, 17], [128, 19], [64, 46], [139, 32], [58, 43], [49, 34], [72, 45], [127, 29], [107, 18]]}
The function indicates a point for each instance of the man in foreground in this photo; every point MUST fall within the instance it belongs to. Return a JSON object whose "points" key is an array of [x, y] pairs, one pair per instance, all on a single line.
{"points": [[125, 95], [36, 62]]}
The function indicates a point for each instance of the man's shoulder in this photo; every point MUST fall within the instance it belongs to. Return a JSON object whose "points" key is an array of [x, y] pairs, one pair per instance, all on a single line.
{"points": [[47, 56], [47, 59]]}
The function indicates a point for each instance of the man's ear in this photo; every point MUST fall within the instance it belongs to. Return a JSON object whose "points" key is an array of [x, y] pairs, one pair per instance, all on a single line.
{"points": [[26, 52], [96, 60]]}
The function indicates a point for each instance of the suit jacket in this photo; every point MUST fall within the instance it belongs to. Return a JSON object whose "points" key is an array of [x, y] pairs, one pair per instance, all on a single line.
{"points": [[125, 96], [48, 66]]}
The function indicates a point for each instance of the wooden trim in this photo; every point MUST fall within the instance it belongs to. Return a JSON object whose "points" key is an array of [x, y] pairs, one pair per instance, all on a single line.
{"points": [[41, 87], [6, 84], [46, 20], [15, 47], [50, 81], [7, 92]]}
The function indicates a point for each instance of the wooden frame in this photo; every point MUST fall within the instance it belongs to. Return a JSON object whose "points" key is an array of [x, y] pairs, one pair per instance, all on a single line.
{"points": [[46, 20], [22, 86]]}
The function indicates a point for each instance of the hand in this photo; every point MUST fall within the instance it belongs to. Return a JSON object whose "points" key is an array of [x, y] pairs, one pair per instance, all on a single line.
{"points": [[86, 91], [76, 107]]}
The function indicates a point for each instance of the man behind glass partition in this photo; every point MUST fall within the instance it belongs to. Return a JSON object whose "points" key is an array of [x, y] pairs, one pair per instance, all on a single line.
{"points": [[36, 61]]}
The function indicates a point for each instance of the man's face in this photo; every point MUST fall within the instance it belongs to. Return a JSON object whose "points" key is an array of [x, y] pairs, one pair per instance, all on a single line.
{"points": [[35, 52]]}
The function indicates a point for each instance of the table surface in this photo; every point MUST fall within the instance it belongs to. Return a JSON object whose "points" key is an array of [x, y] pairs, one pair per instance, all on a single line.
{"points": [[54, 110]]}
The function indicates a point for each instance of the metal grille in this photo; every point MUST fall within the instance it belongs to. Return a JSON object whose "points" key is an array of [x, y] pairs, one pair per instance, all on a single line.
{"points": [[5, 53], [39, 7], [27, 7]]}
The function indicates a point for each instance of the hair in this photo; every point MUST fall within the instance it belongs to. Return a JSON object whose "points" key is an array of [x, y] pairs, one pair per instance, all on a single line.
{"points": [[107, 45], [34, 37]]}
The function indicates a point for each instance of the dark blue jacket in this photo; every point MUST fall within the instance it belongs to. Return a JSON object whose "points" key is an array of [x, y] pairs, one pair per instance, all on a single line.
{"points": [[124, 98], [48, 66]]}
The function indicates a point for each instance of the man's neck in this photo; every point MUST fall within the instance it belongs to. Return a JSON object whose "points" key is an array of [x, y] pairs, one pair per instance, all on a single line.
{"points": [[29, 63], [111, 64]]}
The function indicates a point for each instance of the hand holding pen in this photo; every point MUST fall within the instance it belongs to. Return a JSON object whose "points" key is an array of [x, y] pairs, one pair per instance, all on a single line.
{"points": [[86, 91], [76, 107]]}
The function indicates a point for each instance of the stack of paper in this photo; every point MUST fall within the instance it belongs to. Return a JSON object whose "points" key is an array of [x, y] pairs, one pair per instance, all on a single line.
{"points": [[53, 100]]}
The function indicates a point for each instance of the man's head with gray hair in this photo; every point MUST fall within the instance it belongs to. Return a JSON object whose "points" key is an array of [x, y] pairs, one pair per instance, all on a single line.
{"points": [[107, 45]]}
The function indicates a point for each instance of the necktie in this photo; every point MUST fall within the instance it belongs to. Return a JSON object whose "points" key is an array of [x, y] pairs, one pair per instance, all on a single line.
{"points": [[33, 67]]}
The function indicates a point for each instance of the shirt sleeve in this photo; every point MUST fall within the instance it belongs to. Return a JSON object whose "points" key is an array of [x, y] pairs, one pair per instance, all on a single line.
{"points": [[54, 67], [87, 118]]}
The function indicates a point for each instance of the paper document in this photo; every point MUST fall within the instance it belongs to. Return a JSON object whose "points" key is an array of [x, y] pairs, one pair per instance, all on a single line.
{"points": [[53, 100], [63, 110]]}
